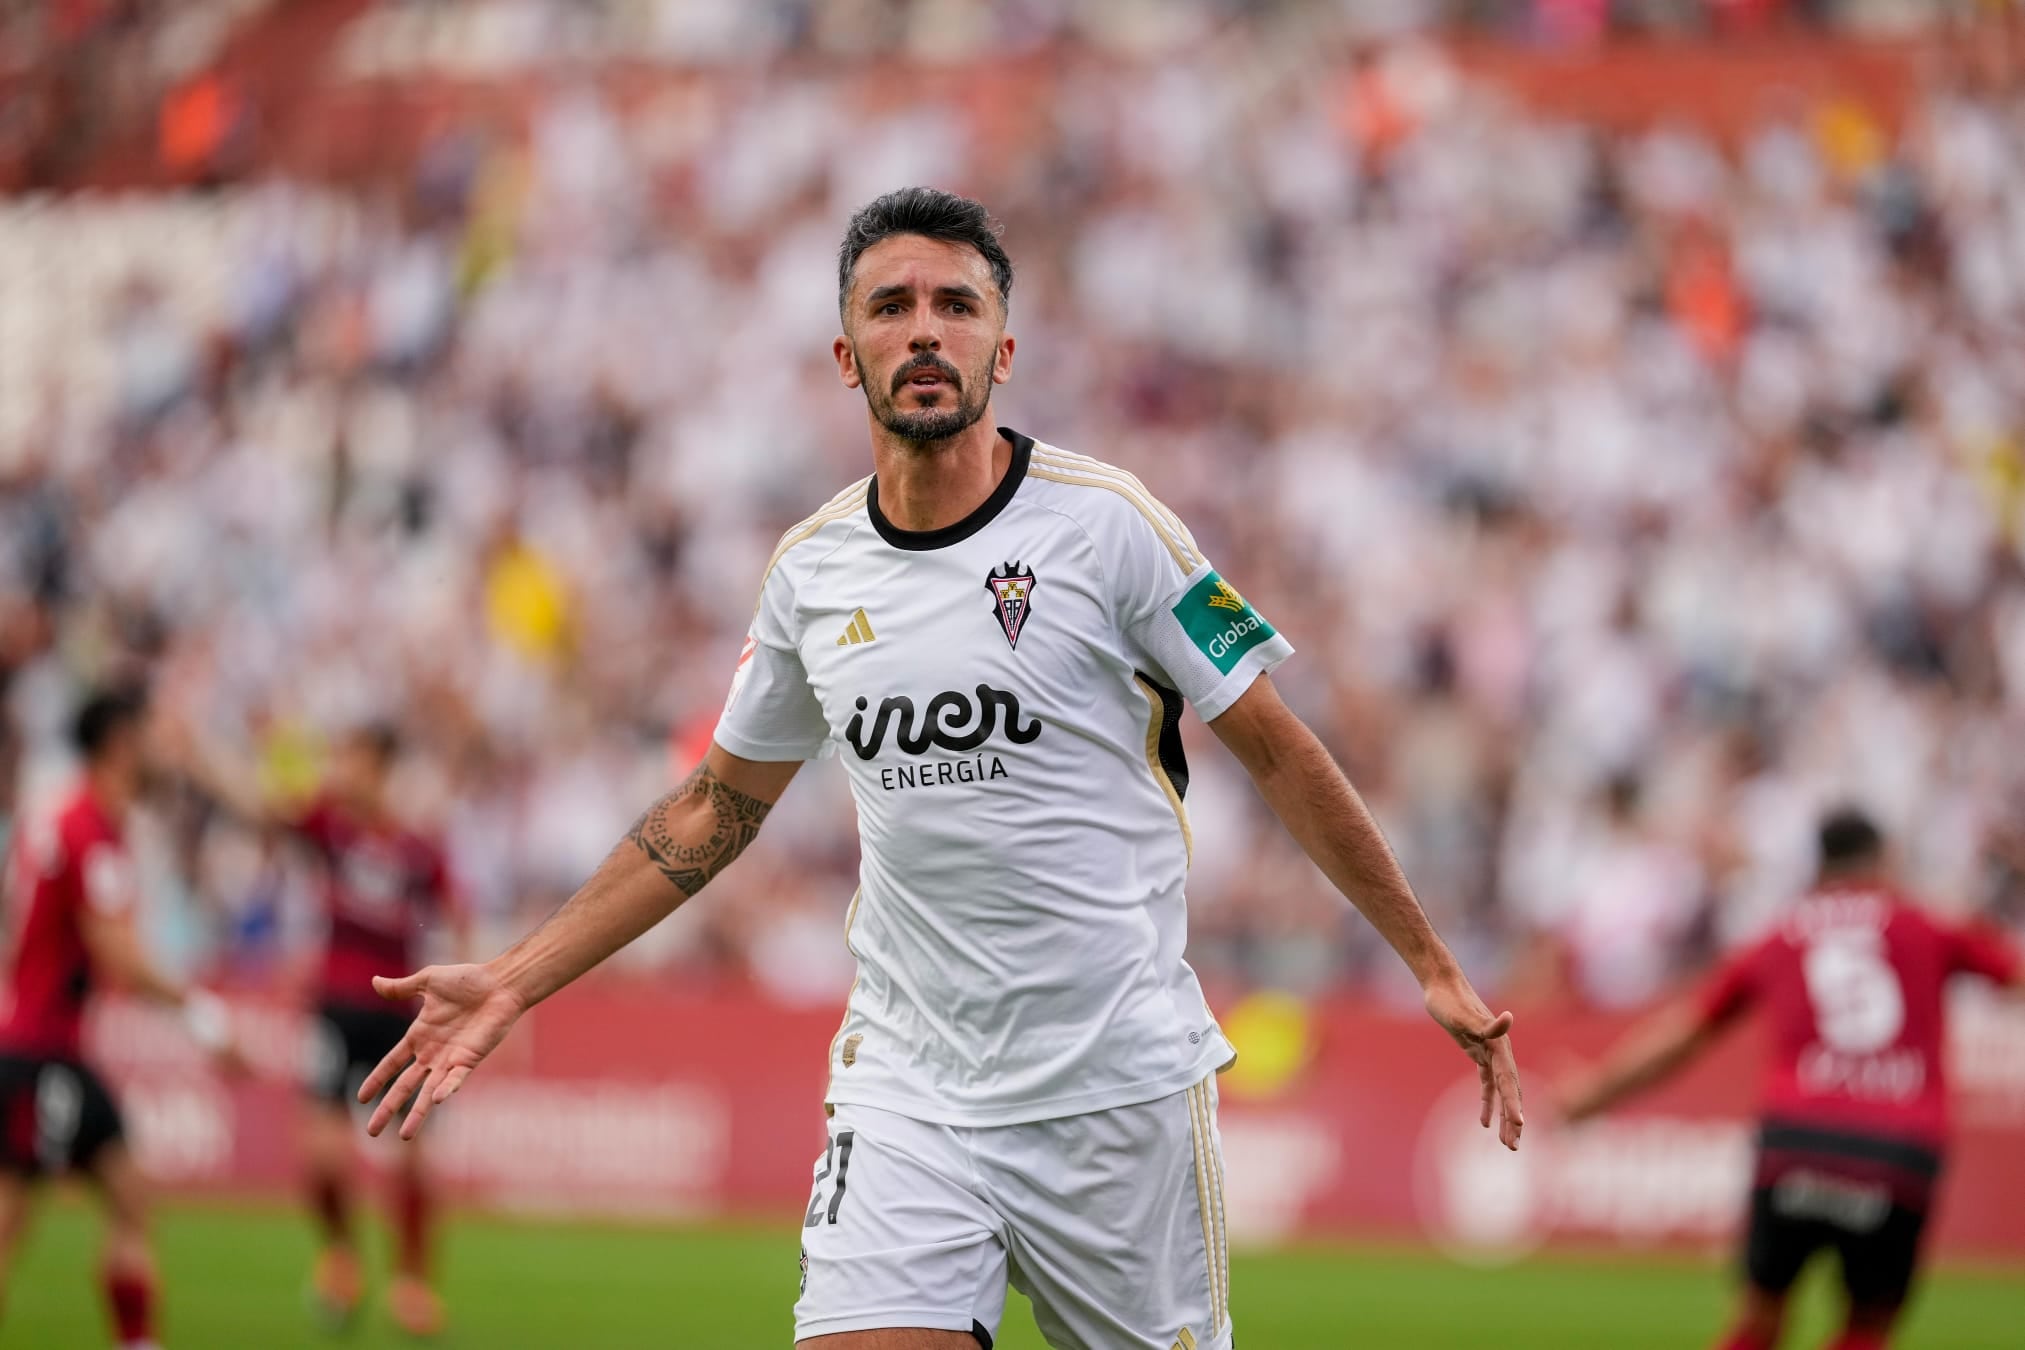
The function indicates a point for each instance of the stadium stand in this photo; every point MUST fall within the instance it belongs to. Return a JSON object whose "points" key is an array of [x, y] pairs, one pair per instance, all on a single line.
{"points": [[1611, 484]]}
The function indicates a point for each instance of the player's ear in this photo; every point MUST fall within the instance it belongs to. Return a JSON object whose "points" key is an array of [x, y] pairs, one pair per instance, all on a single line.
{"points": [[847, 362], [1001, 364]]}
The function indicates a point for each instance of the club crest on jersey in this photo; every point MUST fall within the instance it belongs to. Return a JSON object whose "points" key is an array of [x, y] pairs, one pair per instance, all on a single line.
{"points": [[1012, 589]]}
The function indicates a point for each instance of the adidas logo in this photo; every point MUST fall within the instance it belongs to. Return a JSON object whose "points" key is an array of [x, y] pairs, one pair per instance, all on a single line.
{"points": [[860, 630], [1185, 1341]]}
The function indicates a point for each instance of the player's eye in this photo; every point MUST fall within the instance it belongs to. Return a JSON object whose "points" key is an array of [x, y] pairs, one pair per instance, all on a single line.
{"points": [[890, 307], [959, 307]]}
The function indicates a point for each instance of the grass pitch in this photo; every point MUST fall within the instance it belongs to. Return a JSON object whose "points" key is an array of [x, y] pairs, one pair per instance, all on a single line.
{"points": [[234, 1277]]}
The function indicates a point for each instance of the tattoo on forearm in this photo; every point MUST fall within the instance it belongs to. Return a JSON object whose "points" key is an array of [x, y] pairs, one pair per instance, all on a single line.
{"points": [[736, 818]]}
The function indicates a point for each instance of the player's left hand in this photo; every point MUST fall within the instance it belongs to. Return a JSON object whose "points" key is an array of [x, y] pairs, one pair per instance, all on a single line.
{"points": [[1486, 1040]]}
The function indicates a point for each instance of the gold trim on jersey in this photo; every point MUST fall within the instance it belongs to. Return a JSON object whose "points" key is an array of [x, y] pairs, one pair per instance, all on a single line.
{"points": [[1206, 1181], [839, 506], [1153, 723], [1053, 472], [1068, 459], [1097, 468]]}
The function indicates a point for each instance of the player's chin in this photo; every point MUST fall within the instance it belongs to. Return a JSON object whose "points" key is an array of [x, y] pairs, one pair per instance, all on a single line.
{"points": [[930, 424], [935, 404]]}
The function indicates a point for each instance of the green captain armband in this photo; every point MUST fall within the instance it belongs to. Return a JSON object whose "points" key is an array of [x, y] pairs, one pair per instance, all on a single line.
{"points": [[1221, 622]]}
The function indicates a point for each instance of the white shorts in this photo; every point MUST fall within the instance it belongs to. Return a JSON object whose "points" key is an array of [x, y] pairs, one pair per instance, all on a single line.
{"points": [[1110, 1222]]}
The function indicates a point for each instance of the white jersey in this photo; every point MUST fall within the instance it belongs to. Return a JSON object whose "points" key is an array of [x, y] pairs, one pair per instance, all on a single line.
{"points": [[1006, 695]]}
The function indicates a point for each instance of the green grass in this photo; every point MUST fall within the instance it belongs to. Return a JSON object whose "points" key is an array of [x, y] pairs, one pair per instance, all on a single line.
{"points": [[234, 1279]]}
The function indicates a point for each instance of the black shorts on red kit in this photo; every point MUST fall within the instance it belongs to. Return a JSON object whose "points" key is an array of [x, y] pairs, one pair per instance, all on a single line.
{"points": [[350, 1042], [1865, 1199], [56, 1116]]}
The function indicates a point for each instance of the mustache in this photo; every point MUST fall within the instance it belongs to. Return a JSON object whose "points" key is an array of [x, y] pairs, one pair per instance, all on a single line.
{"points": [[927, 361]]}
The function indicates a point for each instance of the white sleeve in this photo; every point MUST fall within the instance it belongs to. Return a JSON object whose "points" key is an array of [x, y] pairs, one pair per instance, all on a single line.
{"points": [[771, 712], [1195, 633]]}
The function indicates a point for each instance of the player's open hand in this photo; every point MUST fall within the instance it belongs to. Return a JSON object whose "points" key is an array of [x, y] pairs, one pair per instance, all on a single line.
{"points": [[1487, 1040], [466, 1011]]}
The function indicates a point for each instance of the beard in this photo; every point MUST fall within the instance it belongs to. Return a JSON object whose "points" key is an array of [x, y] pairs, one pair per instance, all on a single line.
{"points": [[928, 427]]}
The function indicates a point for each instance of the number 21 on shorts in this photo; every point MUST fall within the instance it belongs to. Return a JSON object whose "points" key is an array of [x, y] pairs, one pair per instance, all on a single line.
{"points": [[837, 1152]]}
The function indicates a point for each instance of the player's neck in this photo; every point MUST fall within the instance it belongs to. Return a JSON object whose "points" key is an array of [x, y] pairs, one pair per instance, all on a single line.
{"points": [[365, 807], [929, 489], [111, 788]]}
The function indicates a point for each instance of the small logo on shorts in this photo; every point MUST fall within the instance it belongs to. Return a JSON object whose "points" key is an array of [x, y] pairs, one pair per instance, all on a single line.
{"points": [[1185, 1341], [851, 1044]]}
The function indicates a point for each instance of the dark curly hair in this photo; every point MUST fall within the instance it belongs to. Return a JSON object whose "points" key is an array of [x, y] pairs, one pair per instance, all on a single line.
{"points": [[1849, 840], [933, 214], [104, 715]]}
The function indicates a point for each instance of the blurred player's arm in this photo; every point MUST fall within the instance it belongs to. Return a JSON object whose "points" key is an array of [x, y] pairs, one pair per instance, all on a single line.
{"points": [[1981, 949], [2011, 980], [1664, 1044], [673, 850], [1670, 1039], [233, 786], [1299, 779], [110, 938], [117, 955]]}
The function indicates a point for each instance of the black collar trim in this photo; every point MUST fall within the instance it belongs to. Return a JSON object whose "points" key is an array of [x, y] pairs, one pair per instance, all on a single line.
{"points": [[922, 540]]}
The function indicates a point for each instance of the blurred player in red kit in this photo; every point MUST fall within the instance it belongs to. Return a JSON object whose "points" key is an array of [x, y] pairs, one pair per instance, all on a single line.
{"points": [[381, 884], [71, 892], [1853, 1131]]}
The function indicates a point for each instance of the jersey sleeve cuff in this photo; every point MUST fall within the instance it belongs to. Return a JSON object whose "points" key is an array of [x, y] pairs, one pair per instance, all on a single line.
{"points": [[1261, 659], [769, 752]]}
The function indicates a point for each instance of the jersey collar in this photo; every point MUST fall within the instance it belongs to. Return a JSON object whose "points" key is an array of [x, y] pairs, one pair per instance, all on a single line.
{"points": [[922, 540]]}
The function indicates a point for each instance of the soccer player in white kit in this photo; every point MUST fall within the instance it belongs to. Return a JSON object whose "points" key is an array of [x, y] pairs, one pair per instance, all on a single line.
{"points": [[995, 636]]}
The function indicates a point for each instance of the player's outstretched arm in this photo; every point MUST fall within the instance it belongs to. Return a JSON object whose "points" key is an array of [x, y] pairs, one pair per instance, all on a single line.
{"points": [[1319, 807], [232, 785], [1652, 1053], [673, 850], [117, 953]]}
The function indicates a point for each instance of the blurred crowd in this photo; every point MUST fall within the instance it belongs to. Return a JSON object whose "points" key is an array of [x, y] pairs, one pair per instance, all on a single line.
{"points": [[76, 75], [152, 82], [1629, 500], [474, 37]]}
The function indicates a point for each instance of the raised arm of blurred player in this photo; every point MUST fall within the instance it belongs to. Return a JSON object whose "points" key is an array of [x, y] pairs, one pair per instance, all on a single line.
{"points": [[233, 786], [1653, 1052], [1670, 1039], [1319, 807], [671, 853]]}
